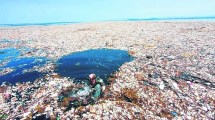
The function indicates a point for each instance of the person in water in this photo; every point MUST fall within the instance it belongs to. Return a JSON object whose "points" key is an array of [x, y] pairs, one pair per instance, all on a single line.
{"points": [[97, 86], [87, 94]]}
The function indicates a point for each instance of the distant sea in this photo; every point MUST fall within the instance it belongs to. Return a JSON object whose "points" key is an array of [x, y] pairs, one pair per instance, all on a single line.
{"points": [[39, 24], [176, 19], [130, 19]]}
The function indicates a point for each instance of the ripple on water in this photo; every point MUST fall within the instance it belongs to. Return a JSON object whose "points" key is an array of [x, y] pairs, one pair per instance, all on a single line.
{"points": [[14, 68], [102, 62]]}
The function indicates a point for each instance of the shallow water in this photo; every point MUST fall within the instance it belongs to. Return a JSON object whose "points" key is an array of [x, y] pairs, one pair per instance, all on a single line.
{"points": [[8, 53], [102, 62], [14, 68]]}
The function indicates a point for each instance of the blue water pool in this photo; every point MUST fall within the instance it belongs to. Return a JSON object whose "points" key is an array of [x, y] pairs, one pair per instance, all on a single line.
{"points": [[102, 62], [14, 68]]}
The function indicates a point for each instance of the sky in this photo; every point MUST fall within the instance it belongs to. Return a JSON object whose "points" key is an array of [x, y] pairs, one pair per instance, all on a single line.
{"points": [[46, 11]]}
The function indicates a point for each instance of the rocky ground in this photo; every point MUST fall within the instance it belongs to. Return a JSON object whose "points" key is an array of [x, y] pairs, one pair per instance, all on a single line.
{"points": [[171, 77]]}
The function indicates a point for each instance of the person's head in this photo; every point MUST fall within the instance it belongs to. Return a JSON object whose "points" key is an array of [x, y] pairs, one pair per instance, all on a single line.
{"points": [[92, 79]]}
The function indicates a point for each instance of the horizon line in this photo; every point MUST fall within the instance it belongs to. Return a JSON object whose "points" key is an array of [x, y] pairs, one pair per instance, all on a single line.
{"points": [[129, 19]]}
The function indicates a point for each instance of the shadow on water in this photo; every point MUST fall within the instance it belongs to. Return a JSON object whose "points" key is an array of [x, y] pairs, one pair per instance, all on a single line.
{"points": [[102, 62], [14, 68]]}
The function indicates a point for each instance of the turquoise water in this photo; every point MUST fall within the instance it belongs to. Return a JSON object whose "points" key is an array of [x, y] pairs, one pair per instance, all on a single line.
{"points": [[39, 24], [130, 19], [175, 18], [23, 68], [102, 62]]}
